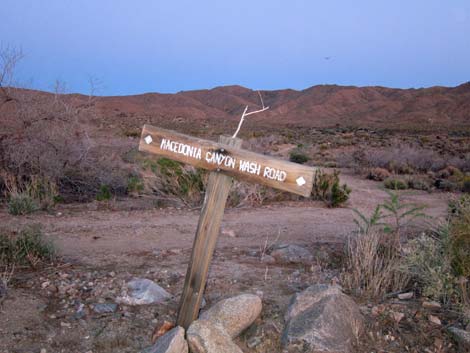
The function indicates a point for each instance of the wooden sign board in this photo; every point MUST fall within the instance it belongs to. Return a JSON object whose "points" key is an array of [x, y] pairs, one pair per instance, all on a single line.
{"points": [[241, 164], [224, 159]]}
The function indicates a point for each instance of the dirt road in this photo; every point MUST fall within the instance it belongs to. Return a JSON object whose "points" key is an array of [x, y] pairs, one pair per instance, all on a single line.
{"points": [[90, 235]]}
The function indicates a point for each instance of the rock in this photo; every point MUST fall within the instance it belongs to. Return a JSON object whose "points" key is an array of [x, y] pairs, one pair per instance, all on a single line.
{"points": [[229, 232], [293, 254], [431, 305], [105, 308], [377, 310], [321, 319], [205, 337], [435, 320], [234, 314], [65, 324], [171, 342], [141, 291], [405, 296], [268, 259], [397, 316], [462, 338]]}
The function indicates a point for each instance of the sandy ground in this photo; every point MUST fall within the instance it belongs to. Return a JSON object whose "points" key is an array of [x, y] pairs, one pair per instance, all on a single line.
{"points": [[97, 234], [104, 246]]}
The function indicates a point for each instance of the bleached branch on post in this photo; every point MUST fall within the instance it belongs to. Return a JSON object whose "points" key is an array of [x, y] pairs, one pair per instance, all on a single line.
{"points": [[245, 114]]}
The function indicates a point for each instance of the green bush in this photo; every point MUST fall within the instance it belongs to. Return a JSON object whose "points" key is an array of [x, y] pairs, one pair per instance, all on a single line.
{"points": [[427, 260], [104, 193], [135, 185], [21, 203], [25, 197], [459, 229], [419, 183], [185, 183], [440, 260], [27, 248], [395, 183], [326, 187], [298, 156]]}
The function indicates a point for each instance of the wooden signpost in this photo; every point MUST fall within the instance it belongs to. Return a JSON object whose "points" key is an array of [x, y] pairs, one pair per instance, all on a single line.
{"points": [[225, 160]]}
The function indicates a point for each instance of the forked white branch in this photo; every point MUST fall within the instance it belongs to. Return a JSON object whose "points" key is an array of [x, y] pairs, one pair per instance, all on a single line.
{"points": [[246, 113]]}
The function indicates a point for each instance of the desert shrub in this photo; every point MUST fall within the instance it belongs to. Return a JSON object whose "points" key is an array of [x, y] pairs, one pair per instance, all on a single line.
{"points": [[21, 203], [405, 159], [25, 197], [395, 183], [398, 214], [419, 183], [439, 259], [104, 193], [28, 248], [326, 187], [135, 184], [132, 132], [48, 135], [450, 171], [447, 185], [373, 266], [175, 180], [428, 262], [459, 230], [298, 156], [378, 174]]}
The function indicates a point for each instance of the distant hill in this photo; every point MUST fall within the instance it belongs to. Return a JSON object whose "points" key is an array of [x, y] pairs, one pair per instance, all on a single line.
{"points": [[318, 106], [434, 108]]}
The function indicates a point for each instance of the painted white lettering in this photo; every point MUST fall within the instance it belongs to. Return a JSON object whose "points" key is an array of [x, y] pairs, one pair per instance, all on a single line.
{"points": [[274, 174], [181, 148]]}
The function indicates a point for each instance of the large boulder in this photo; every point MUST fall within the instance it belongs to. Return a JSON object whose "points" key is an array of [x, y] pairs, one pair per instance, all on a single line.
{"points": [[206, 337], [171, 342], [234, 314], [321, 319], [292, 254], [141, 291]]}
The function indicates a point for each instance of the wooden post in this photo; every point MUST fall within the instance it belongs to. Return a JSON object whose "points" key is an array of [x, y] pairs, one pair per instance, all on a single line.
{"points": [[208, 228]]}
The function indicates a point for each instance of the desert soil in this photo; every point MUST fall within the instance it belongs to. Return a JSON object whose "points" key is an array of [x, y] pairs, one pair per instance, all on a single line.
{"points": [[104, 246]]}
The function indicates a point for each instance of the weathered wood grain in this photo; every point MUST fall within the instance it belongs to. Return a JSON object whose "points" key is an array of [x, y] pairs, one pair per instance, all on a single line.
{"points": [[276, 173], [208, 228]]}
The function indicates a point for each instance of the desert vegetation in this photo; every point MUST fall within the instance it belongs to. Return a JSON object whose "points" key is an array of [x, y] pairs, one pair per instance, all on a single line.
{"points": [[70, 162]]}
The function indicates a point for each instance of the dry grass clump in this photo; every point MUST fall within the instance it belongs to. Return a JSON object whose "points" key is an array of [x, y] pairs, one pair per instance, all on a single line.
{"points": [[27, 249], [375, 260], [373, 265], [437, 262], [24, 197]]}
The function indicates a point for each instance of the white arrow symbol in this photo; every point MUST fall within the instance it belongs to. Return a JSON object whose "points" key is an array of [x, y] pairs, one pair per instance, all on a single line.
{"points": [[300, 181], [148, 140]]}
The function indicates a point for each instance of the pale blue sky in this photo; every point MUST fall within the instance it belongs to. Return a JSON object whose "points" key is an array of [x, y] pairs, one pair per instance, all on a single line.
{"points": [[168, 46]]}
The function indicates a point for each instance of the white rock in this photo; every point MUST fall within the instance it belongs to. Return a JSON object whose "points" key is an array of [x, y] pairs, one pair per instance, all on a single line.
{"points": [[234, 314], [405, 296], [141, 291], [205, 337]]}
